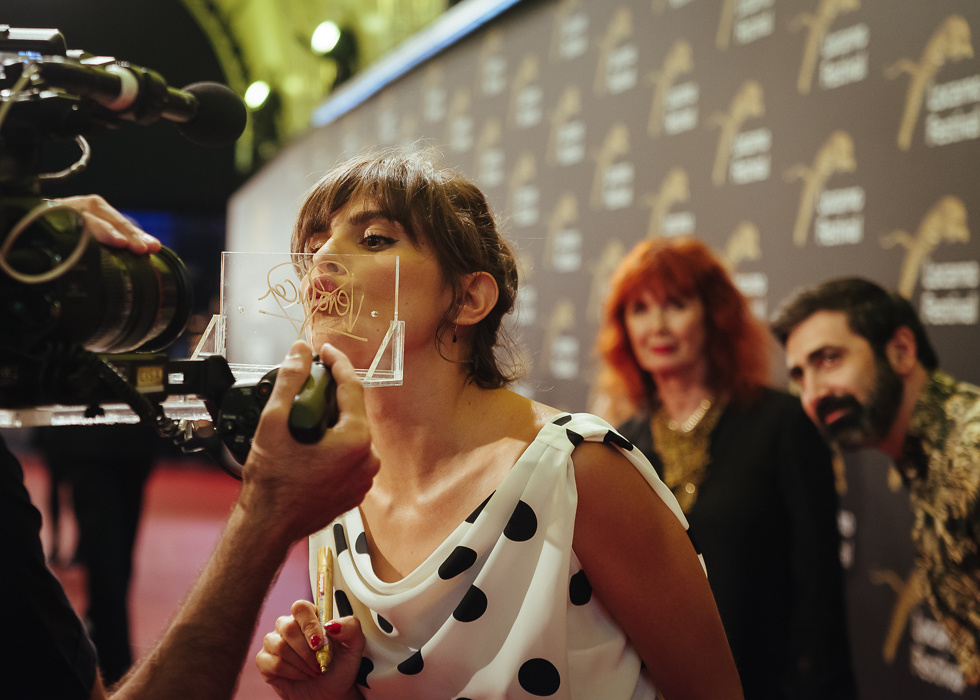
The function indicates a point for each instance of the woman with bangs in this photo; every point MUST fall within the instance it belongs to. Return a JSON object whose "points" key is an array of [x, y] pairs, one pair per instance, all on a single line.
{"points": [[505, 549], [687, 361]]}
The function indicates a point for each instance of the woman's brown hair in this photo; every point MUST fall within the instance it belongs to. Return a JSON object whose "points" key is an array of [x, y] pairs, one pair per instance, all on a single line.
{"points": [[440, 206]]}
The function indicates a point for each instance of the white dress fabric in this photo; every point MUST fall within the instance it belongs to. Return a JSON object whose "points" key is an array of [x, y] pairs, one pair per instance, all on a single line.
{"points": [[502, 608]]}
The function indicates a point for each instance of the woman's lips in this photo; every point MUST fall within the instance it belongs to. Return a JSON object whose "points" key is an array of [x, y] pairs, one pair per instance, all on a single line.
{"points": [[324, 284], [320, 287]]}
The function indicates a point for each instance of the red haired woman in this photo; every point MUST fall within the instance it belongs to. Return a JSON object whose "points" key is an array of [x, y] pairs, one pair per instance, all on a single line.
{"points": [[683, 351]]}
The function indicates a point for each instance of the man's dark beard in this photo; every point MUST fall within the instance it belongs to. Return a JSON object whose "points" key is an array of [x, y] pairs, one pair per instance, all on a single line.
{"points": [[864, 425]]}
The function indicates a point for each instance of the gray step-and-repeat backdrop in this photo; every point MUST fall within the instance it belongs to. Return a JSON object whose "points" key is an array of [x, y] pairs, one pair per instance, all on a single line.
{"points": [[801, 139]]}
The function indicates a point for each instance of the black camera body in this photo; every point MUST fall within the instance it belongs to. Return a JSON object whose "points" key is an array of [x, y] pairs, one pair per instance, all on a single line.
{"points": [[81, 322]]}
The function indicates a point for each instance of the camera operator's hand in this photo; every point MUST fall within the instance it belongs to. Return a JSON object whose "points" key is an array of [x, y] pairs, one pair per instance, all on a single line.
{"points": [[300, 488], [110, 227], [289, 490]]}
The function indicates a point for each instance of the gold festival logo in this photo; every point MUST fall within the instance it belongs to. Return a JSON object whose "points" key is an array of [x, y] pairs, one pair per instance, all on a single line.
{"points": [[490, 136], [835, 156], [560, 323], [566, 10], [817, 24], [459, 107], [561, 345], [527, 74], [945, 222], [909, 593], [679, 60], [601, 272], [951, 42], [569, 106], [433, 94], [742, 245], [615, 146], [620, 27], [725, 24], [525, 171], [564, 214], [673, 190], [748, 103], [490, 56]]}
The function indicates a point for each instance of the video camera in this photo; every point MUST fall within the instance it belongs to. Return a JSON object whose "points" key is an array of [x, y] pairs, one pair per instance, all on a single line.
{"points": [[84, 324]]}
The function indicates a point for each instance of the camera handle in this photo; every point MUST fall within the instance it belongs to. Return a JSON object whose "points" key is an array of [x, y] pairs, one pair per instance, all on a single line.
{"points": [[314, 410]]}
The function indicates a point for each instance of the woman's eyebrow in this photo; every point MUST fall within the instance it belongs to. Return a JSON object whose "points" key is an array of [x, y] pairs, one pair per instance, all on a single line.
{"points": [[365, 216]]}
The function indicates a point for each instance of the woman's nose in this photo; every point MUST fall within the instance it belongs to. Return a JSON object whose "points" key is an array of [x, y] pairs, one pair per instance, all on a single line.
{"points": [[655, 318]]}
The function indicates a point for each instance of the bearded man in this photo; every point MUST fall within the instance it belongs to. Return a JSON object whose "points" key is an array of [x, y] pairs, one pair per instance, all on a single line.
{"points": [[868, 378]]}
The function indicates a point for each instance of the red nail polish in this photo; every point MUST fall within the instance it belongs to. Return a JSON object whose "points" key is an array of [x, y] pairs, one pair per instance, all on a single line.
{"points": [[315, 641], [332, 627]]}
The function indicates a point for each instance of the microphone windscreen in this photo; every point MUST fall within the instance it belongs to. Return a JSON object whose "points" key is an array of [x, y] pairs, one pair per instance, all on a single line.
{"points": [[220, 118]]}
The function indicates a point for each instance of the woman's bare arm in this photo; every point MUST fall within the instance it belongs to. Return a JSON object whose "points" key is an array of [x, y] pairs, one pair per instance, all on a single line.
{"points": [[644, 569]]}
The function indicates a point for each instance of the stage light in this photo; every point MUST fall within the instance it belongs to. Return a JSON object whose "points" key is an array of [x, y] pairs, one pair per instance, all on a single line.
{"points": [[337, 44], [325, 38], [257, 94]]}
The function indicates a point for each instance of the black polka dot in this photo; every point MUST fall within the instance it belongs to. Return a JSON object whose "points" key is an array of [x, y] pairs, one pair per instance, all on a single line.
{"points": [[339, 538], [579, 589], [385, 626], [573, 437], [539, 677], [412, 665], [523, 523], [360, 544], [343, 605], [614, 438], [561, 420], [472, 606], [362, 673], [479, 509], [458, 561]]}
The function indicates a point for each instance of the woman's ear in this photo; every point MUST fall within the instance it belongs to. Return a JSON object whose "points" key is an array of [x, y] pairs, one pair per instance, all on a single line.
{"points": [[901, 351], [478, 298]]}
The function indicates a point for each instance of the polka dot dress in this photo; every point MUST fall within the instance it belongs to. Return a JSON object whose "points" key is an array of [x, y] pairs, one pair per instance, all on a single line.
{"points": [[502, 608]]}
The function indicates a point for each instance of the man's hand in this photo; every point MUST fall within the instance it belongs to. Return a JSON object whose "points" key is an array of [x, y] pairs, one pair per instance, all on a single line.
{"points": [[298, 488], [110, 227]]}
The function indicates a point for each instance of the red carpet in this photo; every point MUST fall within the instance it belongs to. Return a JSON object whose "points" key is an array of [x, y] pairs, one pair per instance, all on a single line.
{"points": [[184, 511]]}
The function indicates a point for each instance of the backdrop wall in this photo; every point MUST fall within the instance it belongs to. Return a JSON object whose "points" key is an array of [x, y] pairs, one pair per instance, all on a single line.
{"points": [[801, 139]]}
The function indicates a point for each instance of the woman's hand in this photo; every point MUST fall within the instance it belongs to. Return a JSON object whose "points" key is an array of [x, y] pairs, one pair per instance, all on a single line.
{"points": [[110, 227], [288, 661]]}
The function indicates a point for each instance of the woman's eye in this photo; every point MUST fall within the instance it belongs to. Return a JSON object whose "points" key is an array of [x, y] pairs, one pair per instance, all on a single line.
{"points": [[375, 241]]}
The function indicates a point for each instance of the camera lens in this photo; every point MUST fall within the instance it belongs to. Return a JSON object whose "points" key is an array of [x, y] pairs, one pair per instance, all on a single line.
{"points": [[110, 301], [142, 302]]}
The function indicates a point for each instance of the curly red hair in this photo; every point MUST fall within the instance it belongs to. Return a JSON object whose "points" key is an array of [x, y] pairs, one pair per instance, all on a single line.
{"points": [[736, 342]]}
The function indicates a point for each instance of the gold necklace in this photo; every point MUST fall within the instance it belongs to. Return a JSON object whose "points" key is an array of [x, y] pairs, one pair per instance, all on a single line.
{"points": [[693, 419], [683, 449]]}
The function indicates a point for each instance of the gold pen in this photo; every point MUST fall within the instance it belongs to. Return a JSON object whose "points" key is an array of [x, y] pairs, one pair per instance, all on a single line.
{"points": [[324, 600]]}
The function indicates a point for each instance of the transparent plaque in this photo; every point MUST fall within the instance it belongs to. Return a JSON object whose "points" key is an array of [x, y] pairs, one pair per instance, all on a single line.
{"points": [[269, 300]]}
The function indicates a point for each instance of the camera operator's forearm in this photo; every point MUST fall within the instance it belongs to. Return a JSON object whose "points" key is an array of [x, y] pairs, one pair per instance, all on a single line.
{"points": [[204, 649]]}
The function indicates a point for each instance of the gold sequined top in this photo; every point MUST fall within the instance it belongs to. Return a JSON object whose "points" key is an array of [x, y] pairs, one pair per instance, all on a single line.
{"points": [[941, 466]]}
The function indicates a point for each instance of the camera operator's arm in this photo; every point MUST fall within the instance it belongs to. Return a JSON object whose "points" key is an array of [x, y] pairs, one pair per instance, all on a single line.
{"points": [[110, 227], [289, 490]]}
